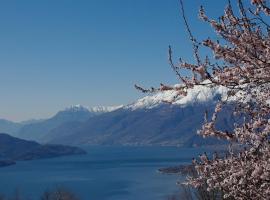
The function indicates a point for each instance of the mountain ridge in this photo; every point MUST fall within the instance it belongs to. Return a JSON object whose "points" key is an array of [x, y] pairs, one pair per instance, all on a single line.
{"points": [[146, 121]]}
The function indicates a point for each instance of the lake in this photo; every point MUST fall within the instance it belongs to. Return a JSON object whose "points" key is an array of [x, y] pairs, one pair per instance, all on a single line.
{"points": [[105, 173]]}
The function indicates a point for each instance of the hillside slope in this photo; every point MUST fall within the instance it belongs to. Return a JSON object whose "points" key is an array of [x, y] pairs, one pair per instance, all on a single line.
{"points": [[12, 148]]}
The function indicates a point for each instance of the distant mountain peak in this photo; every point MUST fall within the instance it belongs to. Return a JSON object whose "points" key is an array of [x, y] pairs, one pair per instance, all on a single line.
{"points": [[198, 94], [104, 109], [132, 124], [77, 108], [94, 109]]}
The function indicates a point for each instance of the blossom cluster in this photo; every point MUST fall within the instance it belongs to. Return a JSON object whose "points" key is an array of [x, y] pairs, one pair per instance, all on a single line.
{"points": [[245, 172], [242, 65]]}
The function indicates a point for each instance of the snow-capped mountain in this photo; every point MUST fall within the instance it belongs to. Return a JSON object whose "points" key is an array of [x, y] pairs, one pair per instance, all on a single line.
{"points": [[76, 108], [94, 109], [147, 121], [104, 109], [74, 115], [198, 94], [36, 131]]}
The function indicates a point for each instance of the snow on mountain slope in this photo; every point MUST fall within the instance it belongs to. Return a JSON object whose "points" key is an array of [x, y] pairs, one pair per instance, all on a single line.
{"points": [[198, 94], [104, 109], [95, 109], [131, 124], [76, 108]]}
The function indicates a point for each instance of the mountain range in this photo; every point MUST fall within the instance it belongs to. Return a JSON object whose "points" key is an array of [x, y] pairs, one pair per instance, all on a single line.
{"points": [[147, 121]]}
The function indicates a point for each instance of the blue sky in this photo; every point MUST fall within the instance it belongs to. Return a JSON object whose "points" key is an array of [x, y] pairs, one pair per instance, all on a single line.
{"points": [[57, 53]]}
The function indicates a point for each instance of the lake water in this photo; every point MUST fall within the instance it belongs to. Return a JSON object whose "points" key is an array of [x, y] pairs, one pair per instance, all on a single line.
{"points": [[105, 173]]}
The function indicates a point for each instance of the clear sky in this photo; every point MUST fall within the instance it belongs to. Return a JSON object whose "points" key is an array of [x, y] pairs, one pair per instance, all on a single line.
{"points": [[57, 53]]}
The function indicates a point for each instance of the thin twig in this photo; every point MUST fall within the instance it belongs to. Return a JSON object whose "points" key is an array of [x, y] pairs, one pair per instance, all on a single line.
{"points": [[195, 43]]}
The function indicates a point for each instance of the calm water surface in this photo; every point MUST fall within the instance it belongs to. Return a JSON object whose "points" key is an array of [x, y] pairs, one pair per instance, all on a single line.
{"points": [[105, 173]]}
